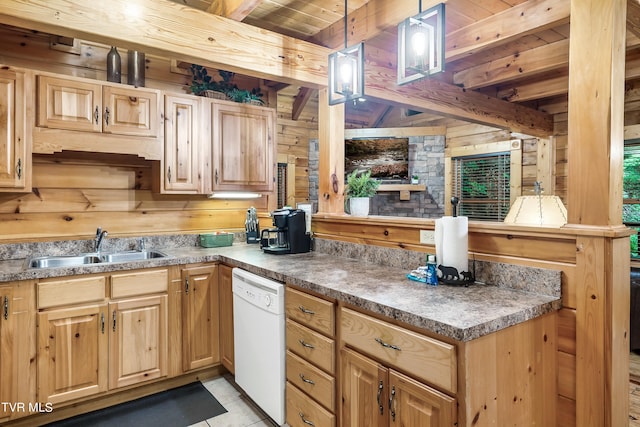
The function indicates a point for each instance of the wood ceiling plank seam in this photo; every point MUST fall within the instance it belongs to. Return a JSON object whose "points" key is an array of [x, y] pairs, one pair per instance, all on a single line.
{"points": [[633, 17], [528, 18]]}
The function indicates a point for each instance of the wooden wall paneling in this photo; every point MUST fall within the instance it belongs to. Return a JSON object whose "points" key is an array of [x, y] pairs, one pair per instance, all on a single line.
{"points": [[567, 330], [331, 147], [566, 375], [566, 414], [174, 309], [617, 330], [545, 164]]}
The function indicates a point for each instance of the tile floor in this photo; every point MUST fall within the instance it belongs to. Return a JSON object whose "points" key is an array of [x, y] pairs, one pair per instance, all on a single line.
{"points": [[241, 412]]}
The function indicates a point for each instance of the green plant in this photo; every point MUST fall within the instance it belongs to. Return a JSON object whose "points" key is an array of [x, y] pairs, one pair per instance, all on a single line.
{"points": [[202, 81], [360, 184]]}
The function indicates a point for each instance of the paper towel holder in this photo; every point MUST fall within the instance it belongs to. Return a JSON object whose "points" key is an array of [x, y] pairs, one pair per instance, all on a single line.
{"points": [[450, 275]]}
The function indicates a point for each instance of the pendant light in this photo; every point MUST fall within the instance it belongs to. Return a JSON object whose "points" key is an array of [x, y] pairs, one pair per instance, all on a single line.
{"points": [[346, 71], [421, 44]]}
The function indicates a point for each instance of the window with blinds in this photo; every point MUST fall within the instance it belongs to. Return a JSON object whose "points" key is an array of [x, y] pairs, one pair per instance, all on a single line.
{"points": [[282, 184], [482, 185], [631, 191]]}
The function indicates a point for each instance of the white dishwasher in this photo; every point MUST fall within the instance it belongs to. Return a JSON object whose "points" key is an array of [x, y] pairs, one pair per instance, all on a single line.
{"points": [[259, 340]]}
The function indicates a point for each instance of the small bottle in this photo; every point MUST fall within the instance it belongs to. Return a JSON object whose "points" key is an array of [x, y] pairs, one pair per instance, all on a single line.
{"points": [[114, 65], [432, 274]]}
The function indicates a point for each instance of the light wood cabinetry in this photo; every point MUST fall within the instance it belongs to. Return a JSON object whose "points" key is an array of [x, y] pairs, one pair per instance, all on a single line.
{"points": [[91, 340], [17, 348], [122, 119], [375, 394], [311, 366], [244, 146], [187, 150], [227, 354], [200, 321], [16, 117]]}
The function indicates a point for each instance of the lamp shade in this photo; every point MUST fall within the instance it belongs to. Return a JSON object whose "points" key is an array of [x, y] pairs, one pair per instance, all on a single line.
{"points": [[346, 74], [421, 45], [548, 211]]}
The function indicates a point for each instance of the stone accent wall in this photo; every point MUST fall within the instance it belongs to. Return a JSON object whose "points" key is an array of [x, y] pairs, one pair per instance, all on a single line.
{"points": [[426, 159]]}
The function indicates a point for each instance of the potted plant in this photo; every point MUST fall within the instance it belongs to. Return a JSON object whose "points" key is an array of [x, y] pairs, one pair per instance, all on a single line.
{"points": [[360, 188], [415, 179], [203, 84]]}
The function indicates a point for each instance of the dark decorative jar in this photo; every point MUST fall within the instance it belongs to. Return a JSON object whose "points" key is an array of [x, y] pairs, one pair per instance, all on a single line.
{"points": [[114, 65], [135, 68]]}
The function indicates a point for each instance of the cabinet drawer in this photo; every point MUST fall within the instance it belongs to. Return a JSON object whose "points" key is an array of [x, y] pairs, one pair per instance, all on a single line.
{"points": [[304, 412], [310, 311], [139, 283], [54, 293], [317, 384], [426, 358], [311, 346]]}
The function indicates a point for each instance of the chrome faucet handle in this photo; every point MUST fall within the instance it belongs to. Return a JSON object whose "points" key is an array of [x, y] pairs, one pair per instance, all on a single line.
{"points": [[98, 232], [142, 244]]}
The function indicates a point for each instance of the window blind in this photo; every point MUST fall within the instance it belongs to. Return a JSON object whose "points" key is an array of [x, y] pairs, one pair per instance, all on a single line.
{"points": [[482, 185]]}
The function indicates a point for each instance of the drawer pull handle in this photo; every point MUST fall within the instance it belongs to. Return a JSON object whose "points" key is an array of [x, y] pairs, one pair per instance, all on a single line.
{"points": [[307, 345], [5, 308], [380, 405], [391, 405], [306, 310], [304, 420], [307, 380], [114, 321], [391, 346], [102, 322]]}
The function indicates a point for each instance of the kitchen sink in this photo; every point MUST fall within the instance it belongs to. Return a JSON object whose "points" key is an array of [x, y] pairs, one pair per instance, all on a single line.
{"points": [[92, 258], [63, 261], [131, 256]]}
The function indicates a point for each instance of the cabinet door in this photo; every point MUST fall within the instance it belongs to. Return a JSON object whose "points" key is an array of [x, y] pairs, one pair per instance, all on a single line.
{"points": [[15, 153], [200, 322], [226, 317], [130, 111], [72, 353], [69, 104], [8, 375], [182, 158], [413, 404], [243, 139], [364, 391], [138, 343]]}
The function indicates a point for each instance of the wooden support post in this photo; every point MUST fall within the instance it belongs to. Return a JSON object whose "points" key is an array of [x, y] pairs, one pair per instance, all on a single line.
{"points": [[594, 196], [331, 161]]}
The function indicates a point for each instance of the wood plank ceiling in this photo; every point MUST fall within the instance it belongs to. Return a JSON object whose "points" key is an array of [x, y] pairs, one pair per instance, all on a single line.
{"points": [[515, 51]]}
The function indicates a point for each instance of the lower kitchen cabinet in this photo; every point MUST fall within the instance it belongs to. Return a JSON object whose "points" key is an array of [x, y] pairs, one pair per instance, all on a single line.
{"points": [[376, 396], [73, 349], [17, 348], [138, 346], [226, 317], [200, 318], [91, 341]]}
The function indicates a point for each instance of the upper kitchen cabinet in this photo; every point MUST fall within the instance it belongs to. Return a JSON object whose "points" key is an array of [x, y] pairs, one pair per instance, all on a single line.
{"points": [[186, 147], [121, 119], [244, 147], [16, 116]]}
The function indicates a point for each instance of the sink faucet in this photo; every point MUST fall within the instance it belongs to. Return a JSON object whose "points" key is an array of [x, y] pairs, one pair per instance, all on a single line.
{"points": [[100, 235]]}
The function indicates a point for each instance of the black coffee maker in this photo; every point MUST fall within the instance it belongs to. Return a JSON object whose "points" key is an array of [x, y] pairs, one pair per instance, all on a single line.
{"points": [[289, 235]]}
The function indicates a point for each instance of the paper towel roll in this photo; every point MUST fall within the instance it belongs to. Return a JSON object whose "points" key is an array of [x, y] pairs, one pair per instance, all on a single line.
{"points": [[452, 242]]}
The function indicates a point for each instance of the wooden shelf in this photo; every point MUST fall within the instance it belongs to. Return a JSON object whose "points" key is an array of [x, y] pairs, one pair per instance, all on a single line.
{"points": [[404, 189]]}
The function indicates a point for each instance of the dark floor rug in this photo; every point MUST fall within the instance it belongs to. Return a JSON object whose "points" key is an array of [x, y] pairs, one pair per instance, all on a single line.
{"points": [[178, 407]]}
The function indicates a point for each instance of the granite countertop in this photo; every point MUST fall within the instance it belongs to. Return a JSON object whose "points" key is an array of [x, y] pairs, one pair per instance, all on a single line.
{"points": [[457, 312]]}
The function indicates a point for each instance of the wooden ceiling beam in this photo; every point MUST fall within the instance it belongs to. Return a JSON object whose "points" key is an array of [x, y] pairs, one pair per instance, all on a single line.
{"points": [[633, 17], [523, 64], [526, 18], [233, 9], [171, 30], [377, 115], [370, 20], [438, 97], [300, 101]]}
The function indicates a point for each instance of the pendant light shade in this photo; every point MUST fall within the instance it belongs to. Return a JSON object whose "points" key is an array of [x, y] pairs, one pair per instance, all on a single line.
{"points": [[421, 45], [346, 70], [346, 74]]}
